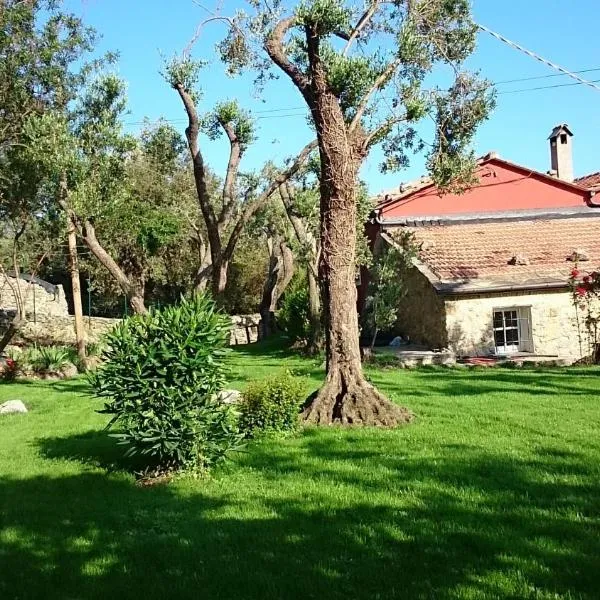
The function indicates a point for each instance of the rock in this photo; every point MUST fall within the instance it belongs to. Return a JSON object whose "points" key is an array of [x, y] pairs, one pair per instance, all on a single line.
{"points": [[12, 406], [229, 396], [69, 370]]}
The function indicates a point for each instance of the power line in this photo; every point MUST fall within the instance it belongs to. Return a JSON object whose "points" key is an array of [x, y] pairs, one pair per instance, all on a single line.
{"points": [[547, 87], [539, 58], [269, 113], [544, 76]]}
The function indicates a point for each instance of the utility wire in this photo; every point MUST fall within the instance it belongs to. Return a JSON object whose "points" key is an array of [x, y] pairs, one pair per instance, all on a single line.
{"points": [[539, 58], [544, 76], [506, 92]]}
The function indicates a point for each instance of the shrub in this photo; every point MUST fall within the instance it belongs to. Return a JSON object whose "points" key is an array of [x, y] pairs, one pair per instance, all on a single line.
{"points": [[50, 359], [271, 406], [160, 376], [43, 360], [292, 317]]}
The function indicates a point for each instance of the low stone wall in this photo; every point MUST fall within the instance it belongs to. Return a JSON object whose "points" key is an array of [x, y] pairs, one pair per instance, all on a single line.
{"points": [[244, 329], [38, 301], [61, 330]]}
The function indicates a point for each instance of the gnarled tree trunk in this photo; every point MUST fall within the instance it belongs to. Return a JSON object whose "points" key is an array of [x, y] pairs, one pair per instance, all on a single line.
{"points": [[281, 270], [346, 397]]}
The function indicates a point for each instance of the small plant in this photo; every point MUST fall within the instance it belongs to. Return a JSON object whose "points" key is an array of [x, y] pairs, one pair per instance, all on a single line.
{"points": [[49, 359], [271, 406], [160, 378]]}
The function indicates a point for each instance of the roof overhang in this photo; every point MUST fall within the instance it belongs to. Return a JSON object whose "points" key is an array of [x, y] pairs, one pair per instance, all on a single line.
{"points": [[469, 287]]}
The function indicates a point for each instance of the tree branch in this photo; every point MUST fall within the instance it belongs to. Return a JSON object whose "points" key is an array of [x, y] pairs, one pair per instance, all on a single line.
{"points": [[377, 85], [274, 46], [191, 133], [361, 24], [252, 207], [235, 155], [387, 125]]}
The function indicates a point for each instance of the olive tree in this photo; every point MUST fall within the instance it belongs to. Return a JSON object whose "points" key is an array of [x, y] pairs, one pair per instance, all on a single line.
{"points": [[360, 68]]}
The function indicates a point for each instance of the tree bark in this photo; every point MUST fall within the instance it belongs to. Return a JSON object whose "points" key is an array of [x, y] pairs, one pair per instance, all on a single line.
{"points": [[281, 270], [76, 288], [346, 397], [315, 342]]}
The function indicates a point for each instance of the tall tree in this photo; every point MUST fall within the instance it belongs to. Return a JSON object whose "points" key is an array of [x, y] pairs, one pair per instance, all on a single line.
{"points": [[224, 217], [345, 58], [40, 46], [84, 155]]}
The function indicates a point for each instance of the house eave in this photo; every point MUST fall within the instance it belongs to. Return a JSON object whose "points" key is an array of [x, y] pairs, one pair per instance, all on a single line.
{"points": [[457, 289]]}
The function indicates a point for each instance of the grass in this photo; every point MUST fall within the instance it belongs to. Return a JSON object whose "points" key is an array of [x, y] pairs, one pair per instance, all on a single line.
{"points": [[494, 492]]}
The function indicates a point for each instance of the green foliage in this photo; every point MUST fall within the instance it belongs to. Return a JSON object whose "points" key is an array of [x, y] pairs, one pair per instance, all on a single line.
{"points": [[292, 316], [184, 72], [246, 276], [271, 406], [163, 145], [324, 17], [159, 380], [229, 116], [466, 104], [42, 360]]}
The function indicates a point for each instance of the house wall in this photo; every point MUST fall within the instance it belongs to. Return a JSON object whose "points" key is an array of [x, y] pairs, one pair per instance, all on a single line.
{"points": [[421, 312], [502, 187], [553, 323]]}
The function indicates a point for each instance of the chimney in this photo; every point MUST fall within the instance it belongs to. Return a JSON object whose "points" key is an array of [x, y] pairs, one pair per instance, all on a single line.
{"points": [[561, 152]]}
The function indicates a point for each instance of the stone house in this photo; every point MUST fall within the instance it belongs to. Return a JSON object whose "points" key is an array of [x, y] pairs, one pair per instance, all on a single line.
{"points": [[492, 272]]}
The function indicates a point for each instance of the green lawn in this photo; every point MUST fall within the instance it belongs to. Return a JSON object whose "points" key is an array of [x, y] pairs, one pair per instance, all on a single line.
{"points": [[494, 492]]}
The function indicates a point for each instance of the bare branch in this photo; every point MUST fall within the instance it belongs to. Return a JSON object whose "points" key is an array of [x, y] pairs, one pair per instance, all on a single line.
{"points": [[191, 134], [386, 126], [361, 24], [377, 85], [252, 207], [235, 155], [274, 47]]}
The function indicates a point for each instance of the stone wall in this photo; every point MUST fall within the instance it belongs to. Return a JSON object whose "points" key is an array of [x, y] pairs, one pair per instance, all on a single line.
{"points": [[58, 330], [421, 312], [553, 323], [61, 329], [244, 329], [38, 301]]}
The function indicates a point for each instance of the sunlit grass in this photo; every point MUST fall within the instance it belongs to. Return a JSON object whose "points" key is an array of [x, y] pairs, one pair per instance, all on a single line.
{"points": [[494, 492]]}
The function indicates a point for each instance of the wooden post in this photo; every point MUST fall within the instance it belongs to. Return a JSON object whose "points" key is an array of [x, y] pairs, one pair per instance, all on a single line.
{"points": [[76, 286]]}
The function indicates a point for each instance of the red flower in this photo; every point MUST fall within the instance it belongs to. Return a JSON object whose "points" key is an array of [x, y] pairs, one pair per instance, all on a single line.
{"points": [[10, 363], [581, 291], [586, 279], [574, 273]]}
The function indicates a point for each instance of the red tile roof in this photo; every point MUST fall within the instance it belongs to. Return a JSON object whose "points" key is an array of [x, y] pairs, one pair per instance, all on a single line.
{"points": [[480, 252], [589, 182]]}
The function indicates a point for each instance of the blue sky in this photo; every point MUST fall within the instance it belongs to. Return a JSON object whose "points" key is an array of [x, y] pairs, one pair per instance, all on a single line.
{"points": [[142, 31]]}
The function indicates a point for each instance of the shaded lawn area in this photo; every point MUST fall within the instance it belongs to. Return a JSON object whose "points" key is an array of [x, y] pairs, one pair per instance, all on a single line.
{"points": [[494, 492]]}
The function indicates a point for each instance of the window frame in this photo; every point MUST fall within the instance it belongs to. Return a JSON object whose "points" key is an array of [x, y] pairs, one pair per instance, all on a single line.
{"points": [[523, 328]]}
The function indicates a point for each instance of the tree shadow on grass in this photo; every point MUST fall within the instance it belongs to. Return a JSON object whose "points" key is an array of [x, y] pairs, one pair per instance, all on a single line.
{"points": [[93, 448], [476, 382], [329, 515]]}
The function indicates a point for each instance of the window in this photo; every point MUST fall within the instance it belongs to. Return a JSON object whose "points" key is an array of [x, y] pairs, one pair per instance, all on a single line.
{"points": [[512, 330], [563, 138]]}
